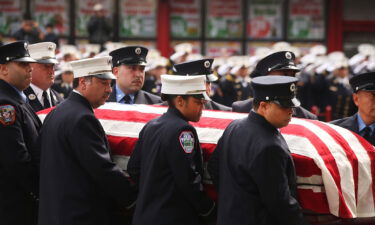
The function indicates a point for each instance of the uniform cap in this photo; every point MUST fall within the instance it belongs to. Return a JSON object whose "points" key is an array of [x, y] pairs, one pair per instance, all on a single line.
{"points": [[98, 67], [130, 55], [15, 52], [283, 60], [364, 81], [184, 85], [196, 67], [43, 52], [279, 89]]}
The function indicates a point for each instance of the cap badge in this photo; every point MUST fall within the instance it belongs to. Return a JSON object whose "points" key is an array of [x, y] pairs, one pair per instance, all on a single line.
{"points": [[207, 64], [25, 45], [32, 97], [138, 51], [292, 87], [109, 62], [50, 47], [288, 55]]}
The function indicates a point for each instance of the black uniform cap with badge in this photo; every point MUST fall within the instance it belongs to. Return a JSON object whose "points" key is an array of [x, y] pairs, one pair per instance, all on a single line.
{"points": [[196, 67], [364, 82], [130, 55], [283, 60], [15, 52], [278, 89]]}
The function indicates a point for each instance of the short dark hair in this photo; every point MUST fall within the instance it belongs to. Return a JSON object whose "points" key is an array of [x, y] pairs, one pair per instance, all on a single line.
{"points": [[76, 81], [170, 99], [256, 104]]}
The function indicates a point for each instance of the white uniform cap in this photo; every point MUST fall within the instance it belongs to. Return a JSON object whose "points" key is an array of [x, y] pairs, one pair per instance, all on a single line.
{"points": [[262, 52], [98, 67], [184, 85], [224, 69], [318, 50], [156, 62], [98, 7], [281, 46], [184, 47], [193, 57], [308, 59], [366, 49], [336, 56], [43, 52], [111, 46]]}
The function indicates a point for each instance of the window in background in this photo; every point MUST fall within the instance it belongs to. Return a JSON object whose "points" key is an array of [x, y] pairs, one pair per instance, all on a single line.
{"points": [[138, 18], [224, 19], [306, 20], [185, 18], [265, 19]]}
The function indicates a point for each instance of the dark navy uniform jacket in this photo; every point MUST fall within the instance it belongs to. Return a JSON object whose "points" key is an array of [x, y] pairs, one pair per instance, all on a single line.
{"points": [[255, 174], [36, 105], [169, 175], [19, 160], [141, 97], [246, 105], [79, 184]]}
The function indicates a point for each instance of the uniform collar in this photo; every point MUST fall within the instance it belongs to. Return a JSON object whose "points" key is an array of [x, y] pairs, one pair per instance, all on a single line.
{"points": [[39, 93], [261, 120], [362, 125], [20, 93], [120, 95]]}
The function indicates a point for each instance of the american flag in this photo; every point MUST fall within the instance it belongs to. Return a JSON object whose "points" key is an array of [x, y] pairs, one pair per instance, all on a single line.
{"points": [[335, 167]]}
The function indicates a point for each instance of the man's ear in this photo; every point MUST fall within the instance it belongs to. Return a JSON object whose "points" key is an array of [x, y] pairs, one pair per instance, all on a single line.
{"points": [[115, 71], [355, 99]]}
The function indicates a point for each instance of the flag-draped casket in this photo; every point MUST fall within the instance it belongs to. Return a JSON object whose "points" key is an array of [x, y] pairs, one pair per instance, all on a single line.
{"points": [[335, 167]]}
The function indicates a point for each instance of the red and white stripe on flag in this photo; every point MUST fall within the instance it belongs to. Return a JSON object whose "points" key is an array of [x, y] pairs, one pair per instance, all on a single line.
{"points": [[335, 167]]}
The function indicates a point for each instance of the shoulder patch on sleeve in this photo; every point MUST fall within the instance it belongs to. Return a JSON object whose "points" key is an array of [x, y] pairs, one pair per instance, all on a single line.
{"points": [[7, 114], [187, 141]]}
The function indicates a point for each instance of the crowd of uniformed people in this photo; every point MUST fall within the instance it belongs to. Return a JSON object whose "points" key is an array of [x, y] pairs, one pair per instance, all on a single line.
{"points": [[61, 172]]}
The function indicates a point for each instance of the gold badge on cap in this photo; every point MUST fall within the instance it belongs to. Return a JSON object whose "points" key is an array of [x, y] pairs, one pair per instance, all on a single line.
{"points": [[138, 51], [50, 47], [288, 55], [31, 97], [207, 64], [292, 87]]}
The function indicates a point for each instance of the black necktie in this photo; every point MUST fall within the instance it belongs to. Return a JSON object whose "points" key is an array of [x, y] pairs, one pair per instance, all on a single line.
{"points": [[45, 100], [127, 99], [367, 135]]}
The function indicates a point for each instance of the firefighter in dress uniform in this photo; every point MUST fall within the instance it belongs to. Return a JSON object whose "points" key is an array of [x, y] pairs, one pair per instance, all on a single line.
{"points": [[79, 183], [252, 167], [363, 122], [19, 130], [40, 95], [166, 163]]}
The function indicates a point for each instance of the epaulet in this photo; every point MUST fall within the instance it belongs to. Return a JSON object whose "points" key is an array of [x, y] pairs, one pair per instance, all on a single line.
{"points": [[229, 77]]}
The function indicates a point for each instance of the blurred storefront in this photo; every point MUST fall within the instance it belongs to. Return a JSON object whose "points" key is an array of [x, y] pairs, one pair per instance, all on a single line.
{"points": [[214, 27]]}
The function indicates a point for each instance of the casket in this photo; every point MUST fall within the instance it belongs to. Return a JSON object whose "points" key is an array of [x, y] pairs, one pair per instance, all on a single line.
{"points": [[334, 166]]}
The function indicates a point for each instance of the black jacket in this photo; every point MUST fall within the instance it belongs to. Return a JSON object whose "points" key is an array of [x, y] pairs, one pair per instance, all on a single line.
{"points": [[35, 103], [246, 105], [141, 97], [19, 159], [79, 183], [255, 174], [169, 176], [216, 106]]}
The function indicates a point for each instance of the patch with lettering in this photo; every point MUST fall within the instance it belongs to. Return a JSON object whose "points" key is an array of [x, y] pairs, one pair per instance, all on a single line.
{"points": [[187, 141], [7, 114]]}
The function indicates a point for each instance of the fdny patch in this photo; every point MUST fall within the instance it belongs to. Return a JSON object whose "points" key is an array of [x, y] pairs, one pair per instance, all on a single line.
{"points": [[187, 141], [7, 114]]}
